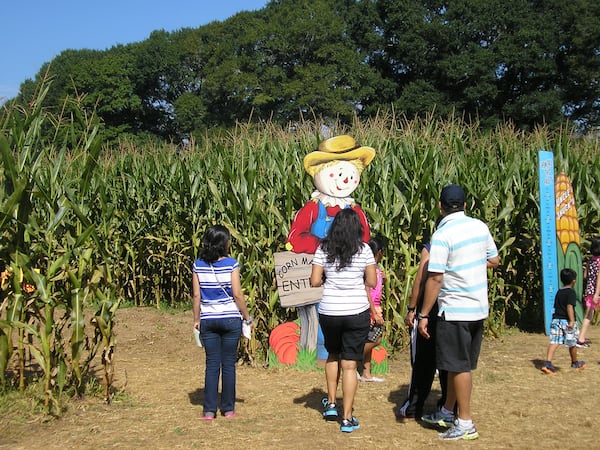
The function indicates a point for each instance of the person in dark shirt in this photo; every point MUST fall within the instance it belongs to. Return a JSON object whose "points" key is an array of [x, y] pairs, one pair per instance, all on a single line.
{"points": [[563, 328]]}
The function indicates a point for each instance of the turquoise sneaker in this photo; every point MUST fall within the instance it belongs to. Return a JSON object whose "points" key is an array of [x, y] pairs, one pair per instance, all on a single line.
{"points": [[348, 426], [330, 410]]}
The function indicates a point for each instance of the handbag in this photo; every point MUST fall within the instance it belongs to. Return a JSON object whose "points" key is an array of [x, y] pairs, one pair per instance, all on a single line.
{"points": [[375, 332]]}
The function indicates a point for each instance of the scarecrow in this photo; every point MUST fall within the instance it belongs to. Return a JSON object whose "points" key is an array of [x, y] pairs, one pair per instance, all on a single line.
{"points": [[335, 166]]}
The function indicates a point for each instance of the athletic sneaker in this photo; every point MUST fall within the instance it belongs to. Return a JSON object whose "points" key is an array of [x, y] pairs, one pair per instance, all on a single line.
{"points": [[348, 426], [549, 369], [330, 411], [455, 433], [583, 344], [578, 365], [402, 414], [439, 419]]}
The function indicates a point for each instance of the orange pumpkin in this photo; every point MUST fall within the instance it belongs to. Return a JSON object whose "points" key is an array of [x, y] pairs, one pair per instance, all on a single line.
{"points": [[284, 342], [379, 354], [285, 329], [288, 354]]}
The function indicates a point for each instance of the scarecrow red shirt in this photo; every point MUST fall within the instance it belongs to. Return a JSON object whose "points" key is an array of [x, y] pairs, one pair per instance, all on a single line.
{"points": [[301, 238]]}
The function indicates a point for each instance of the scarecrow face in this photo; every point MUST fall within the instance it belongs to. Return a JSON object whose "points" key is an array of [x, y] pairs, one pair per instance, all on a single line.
{"points": [[338, 180]]}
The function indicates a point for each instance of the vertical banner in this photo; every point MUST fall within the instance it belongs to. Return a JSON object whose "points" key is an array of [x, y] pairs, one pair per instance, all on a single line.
{"points": [[568, 248], [548, 234]]}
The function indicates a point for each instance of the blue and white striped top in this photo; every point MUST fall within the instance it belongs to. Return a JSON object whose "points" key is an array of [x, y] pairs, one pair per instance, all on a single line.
{"points": [[460, 248], [215, 288]]}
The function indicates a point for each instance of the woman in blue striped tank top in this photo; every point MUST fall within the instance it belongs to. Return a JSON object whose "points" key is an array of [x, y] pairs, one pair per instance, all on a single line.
{"points": [[219, 307]]}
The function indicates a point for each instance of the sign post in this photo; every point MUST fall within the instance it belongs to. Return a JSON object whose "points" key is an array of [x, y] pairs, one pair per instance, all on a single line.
{"points": [[548, 234], [292, 274]]}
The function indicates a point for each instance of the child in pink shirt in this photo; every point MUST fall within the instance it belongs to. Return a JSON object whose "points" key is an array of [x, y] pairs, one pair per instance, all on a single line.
{"points": [[376, 331]]}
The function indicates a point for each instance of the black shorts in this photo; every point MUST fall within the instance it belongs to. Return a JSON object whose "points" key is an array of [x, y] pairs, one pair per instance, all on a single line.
{"points": [[458, 344], [346, 335]]}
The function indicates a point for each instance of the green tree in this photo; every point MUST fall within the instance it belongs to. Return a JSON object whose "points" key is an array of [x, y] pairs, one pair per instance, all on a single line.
{"points": [[530, 62], [324, 71], [228, 80], [578, 60], [493, 60], [100, 80]]}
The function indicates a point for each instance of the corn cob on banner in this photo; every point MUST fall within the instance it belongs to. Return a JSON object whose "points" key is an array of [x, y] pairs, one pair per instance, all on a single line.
{"points": [[568, 242], [560, 241]]}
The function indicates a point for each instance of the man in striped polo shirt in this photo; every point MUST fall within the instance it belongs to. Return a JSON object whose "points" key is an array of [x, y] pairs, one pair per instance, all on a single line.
{"points": [[462, 249]]}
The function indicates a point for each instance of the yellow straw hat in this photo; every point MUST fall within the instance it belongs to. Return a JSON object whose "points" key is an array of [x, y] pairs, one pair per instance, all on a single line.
{"points": [[338, 148]]}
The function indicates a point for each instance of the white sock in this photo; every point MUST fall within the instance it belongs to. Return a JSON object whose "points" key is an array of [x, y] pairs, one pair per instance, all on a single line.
{"points": [[465, 424]]}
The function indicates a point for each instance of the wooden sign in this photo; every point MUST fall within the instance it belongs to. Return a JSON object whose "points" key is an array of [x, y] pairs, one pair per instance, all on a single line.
{"points": [[292, 274]]}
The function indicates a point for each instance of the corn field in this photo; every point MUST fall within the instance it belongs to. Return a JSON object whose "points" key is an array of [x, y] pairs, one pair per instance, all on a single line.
{"points": [[85, 229]]}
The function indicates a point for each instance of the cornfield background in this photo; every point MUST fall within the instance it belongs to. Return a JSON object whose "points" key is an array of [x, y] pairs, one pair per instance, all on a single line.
{"points": [[85, 229]]}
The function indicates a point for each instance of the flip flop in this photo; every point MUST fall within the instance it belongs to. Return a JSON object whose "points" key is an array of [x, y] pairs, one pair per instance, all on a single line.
{"points": [[372, 380]]}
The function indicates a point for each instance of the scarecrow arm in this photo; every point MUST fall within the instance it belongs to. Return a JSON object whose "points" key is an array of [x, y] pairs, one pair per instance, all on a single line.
{"points": [[300, 239]]}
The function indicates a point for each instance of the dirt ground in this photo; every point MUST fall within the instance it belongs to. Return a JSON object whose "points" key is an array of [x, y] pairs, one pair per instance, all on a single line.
{"points": [[160, 373]]}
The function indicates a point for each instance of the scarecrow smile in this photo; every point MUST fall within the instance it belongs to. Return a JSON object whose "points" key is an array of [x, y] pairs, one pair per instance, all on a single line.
{"points": [[343, 187]]}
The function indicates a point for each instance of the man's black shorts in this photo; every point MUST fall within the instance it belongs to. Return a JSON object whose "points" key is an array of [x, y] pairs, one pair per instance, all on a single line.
{"points": [[458, 344]]}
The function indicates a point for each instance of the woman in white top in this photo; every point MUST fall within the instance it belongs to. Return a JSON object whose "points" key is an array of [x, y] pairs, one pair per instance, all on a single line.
{"points": [[344, 265]]}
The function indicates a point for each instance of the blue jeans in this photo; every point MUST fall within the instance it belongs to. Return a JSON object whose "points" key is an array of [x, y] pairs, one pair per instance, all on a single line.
{"points": [[220, 338]]}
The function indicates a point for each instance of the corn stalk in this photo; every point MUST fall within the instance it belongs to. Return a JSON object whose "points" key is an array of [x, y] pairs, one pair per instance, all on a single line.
{"points": [[46, 229]]}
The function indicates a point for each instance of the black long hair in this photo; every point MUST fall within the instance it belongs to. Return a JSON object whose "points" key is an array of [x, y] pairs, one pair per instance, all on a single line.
{"points": [[215, 243], [377, 243], [344, 238]]}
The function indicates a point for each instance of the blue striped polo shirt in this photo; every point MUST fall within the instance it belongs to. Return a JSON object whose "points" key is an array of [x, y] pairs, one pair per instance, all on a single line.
{"points": [[460, 248]]}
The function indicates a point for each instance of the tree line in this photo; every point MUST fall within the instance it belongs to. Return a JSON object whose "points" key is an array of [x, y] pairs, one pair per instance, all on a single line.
{"points": [[529, 62]]}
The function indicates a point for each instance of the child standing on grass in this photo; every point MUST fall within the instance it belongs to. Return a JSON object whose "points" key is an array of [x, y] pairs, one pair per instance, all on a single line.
{"points": [[563, 328], [377, 245], [591, 295]]}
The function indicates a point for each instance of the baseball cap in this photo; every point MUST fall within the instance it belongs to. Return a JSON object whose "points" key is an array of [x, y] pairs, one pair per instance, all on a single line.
{"points": [[453, 198]]}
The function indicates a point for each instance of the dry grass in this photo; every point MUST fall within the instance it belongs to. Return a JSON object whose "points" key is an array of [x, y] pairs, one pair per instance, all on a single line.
{"points": [[160, 371]]}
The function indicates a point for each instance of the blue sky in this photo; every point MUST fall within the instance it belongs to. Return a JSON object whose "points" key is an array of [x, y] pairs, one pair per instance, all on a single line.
{"points": [[35, 31]]}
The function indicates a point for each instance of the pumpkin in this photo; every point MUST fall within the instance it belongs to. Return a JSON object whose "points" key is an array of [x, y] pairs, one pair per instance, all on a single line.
{"points": [[379, 354], [285, 329], [284, 342], [288, 354]]}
